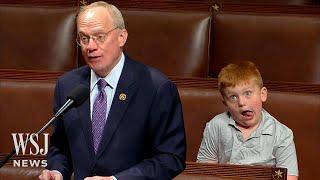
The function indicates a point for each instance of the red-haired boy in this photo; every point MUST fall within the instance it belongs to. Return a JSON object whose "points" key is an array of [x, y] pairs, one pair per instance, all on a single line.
{"points": [[246, 133]]}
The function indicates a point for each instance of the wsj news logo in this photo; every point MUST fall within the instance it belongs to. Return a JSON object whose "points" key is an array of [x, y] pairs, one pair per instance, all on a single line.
{"points": [[21, 140]]}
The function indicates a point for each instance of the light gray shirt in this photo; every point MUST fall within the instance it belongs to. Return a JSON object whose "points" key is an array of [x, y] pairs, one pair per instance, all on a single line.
{"points": [[270, 144]]}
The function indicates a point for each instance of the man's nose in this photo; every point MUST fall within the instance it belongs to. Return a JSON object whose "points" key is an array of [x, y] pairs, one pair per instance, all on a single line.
{"points": [[92, 45]]}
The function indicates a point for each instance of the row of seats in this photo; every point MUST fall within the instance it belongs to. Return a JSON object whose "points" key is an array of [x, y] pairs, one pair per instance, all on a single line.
{"points": [[189, 44], [28, 106]]}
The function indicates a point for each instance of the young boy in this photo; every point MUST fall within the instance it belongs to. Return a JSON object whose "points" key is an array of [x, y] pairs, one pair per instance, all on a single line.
{"points": [[246, 133]]}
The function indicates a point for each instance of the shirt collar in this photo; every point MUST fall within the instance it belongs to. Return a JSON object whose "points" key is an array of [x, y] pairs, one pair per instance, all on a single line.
{"points": [[266, 124], [112, 78], [231, 121]]}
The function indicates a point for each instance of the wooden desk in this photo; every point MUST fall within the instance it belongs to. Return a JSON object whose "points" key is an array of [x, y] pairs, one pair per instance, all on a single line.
{"points": [[204, 171]]}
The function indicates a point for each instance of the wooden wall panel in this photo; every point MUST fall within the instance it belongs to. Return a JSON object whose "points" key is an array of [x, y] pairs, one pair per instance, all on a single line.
{"points": [[42, 2], [274, 6], [280, 2], [269, 8], [194, 5]]}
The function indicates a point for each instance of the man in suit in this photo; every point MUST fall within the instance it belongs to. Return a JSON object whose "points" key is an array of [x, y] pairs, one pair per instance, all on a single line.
{"points": [[131, 127]]}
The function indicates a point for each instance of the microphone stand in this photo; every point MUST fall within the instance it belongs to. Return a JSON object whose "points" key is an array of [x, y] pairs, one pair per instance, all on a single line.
{"points": [[76, 97], [13, 152]]}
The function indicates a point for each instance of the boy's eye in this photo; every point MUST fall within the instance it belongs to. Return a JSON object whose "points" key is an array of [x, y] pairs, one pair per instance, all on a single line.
{"points": [[248, 93], [233, 98]]}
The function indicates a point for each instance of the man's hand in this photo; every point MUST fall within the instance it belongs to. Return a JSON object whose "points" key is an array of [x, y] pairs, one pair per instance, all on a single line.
{"points": [[50, 175], [99, 178]]}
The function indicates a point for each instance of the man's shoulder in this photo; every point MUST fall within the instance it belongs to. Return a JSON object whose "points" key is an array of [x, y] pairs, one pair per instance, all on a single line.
{"points": [[146, 72], [77, 73]]}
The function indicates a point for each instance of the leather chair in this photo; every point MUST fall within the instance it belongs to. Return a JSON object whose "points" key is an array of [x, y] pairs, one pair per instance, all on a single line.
{"points": [[301, 113], [177, 43], [38, 38], [200, 105], [26, 106], [285, 47]]}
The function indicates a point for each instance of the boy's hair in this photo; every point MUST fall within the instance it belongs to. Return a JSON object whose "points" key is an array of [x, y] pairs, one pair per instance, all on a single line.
{"points": [[234, 74]]}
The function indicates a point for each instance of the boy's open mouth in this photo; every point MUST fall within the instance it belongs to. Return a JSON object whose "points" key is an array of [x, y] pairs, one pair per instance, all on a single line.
{"points": [[247, 114]]}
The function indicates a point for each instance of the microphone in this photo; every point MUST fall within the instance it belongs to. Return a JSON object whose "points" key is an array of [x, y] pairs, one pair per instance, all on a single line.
{"points": [[76, 97]]}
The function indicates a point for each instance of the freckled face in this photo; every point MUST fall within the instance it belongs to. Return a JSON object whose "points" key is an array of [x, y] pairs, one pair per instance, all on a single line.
{"points": [[244, 102]]}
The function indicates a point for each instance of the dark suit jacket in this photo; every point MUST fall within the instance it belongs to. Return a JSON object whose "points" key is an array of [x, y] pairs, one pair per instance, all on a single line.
{"points": [[144, 137]]}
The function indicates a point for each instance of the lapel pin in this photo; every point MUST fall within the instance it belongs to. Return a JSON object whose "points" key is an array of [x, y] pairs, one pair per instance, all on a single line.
{"points": [[122, 97]]}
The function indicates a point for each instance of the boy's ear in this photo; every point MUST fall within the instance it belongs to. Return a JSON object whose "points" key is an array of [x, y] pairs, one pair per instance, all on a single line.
{"points": [[264, 94]]}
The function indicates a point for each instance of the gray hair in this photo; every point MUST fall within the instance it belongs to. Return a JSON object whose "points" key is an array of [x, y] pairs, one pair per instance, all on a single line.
{"points": [[112, 10]]}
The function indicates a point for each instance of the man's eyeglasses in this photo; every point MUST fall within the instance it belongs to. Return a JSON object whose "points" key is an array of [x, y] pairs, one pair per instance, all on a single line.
{"points": [[83, 39]]}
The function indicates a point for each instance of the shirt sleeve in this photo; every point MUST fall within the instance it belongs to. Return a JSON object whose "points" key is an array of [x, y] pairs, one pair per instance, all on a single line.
{"points": [[286, 153], [208, 148]]}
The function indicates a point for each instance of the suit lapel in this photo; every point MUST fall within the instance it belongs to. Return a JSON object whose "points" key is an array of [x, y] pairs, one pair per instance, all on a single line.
{"points": [[126, 87], [84, 113]]}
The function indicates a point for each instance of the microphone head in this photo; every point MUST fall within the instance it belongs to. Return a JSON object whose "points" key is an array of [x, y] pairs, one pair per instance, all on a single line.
{"points": [[79, 94]]}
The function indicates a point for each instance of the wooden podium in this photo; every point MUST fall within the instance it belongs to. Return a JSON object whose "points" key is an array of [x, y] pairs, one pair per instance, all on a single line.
{"points": [[193, 171], [206, 171]]}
